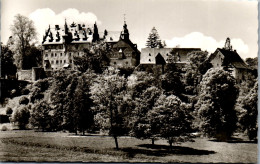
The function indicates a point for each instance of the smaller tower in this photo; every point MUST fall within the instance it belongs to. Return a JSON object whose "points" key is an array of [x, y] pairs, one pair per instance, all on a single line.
{"points": [[124, 33], [228, 45]]}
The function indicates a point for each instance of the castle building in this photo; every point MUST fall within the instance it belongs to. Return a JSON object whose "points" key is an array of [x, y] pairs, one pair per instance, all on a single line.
{"points": [[229, 59], [158, 56], [125, 53], [60, 45]]}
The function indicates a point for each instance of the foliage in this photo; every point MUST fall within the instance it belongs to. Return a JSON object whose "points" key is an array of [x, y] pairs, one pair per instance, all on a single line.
{"points": [[249, 113], [33, 57], [7, 62], [24, 100], [9, 111], [170, 119], [138, 82], [195, 69], [215, 106], [252, 62], [153, 40], [143, 104], [41, 116], [108, 93], [21, 116], [95, 59], [71, 100], [171, 81], [23, 34]]}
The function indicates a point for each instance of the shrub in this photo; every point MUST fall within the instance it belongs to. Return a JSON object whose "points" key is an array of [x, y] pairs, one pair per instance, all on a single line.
{"points": [[24, 100], [21, 117], [4, 128], [9, 111]]}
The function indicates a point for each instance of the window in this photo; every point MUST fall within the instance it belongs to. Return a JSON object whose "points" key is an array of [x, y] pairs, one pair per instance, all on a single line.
{"points": [[149, 54], [126, 63], [60, 61], [69, 54], [55, 54], [149, 60], [64, 61], [52, 62], [51, 54], [60, 54], [57, 61], [78, 53], [115, 63], [70, 61], [46, 55], [167, 54]]}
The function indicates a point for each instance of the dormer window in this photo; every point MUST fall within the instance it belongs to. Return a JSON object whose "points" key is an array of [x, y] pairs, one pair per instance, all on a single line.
{"points": [[149, 60], [120, 50], [149, 54]]}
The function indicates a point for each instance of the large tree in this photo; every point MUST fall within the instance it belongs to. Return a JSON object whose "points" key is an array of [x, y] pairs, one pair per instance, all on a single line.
{"points": [[215, 106], [170, 119], [108, 94], [23, 35], [153, 40], [139, 121]]}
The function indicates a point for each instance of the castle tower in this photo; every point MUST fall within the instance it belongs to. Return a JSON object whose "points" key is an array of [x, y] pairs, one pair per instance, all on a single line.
{"points": [[124, 33]]}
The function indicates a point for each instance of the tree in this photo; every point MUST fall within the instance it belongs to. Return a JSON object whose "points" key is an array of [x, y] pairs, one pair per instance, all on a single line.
{"points": [[95, 59], [252, 62], [7, 62], [41, 116], [71, 100], [170, 119], [33, 57], [197, 66], [23, 34], [21, 116], [108, 94], [82, 114], [153, 40], [139, 121], [171, 81], [249, 113], [215, 106]]}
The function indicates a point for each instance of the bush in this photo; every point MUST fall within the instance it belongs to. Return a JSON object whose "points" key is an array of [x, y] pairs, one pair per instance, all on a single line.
{"points": [[9, 111], [4, 128], [24, 100], [21, 117]]}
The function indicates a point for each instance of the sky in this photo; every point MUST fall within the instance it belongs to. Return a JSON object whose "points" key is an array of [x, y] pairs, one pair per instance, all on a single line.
{"points": [[183, 23]]}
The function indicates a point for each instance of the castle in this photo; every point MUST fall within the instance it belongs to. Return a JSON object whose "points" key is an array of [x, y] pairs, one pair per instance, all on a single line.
{"points": [[60, 45]]}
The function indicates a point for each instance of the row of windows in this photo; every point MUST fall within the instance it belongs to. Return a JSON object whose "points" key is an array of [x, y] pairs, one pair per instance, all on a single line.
{"points": [[60, 61], [55, 54]]}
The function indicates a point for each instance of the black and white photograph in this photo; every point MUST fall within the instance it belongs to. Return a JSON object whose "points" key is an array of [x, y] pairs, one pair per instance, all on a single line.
{"points": [[129, 81]]}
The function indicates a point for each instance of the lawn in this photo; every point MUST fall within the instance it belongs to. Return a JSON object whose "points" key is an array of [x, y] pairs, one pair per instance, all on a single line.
{"points": [[51, 147]]}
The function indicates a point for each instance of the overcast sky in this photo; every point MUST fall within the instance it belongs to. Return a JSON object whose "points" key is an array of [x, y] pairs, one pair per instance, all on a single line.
{"points": [[202, 24]]}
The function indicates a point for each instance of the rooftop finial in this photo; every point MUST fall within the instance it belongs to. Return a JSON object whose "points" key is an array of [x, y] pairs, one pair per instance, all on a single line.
{"points": [[124, 19]]}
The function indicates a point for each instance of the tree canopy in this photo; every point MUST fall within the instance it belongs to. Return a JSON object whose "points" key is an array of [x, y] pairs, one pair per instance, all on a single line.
{"points": [[23, 35], [215, 106], [153, 40]]}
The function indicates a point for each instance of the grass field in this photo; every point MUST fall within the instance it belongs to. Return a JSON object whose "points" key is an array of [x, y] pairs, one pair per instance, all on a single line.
{"points": [[51, 147]]}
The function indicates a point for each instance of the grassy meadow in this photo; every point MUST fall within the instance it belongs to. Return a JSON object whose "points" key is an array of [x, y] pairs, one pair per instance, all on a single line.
{"points": [[30, 146]]}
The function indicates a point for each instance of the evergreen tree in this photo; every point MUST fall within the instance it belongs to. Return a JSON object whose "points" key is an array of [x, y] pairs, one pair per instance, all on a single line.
{"points": [[95, 34], [153, 40]]}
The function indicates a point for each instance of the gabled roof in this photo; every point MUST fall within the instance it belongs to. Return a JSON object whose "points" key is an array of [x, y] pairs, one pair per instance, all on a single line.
{"points": [[230, 57]]}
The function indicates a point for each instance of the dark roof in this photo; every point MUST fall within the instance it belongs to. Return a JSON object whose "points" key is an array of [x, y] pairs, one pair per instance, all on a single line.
{"points": [[230, 57]]}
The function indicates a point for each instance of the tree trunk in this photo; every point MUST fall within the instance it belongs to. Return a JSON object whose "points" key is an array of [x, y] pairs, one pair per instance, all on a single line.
{"points": [[115, 137], [152, 141], [170, 142]]}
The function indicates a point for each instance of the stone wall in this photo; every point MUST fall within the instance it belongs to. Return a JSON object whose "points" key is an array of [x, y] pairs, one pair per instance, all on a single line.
{"points": [[25, 75]]}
